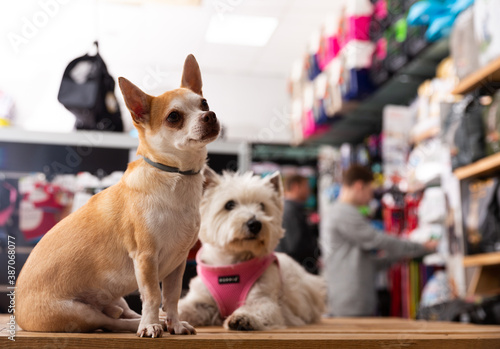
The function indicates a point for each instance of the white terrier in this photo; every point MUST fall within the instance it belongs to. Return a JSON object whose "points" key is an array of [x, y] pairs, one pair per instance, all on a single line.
{"points": [[241, 283]]}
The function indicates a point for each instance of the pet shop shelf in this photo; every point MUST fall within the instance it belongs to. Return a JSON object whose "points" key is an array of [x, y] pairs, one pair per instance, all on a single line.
{"points": [[330, 333], [482, 259], [487, 74], [485, 280], [96, 139], [362, 118], [479, 168]]}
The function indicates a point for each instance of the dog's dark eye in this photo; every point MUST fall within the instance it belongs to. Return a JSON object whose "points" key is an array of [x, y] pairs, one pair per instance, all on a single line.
{"points": [[230, 205], [262, 206], [173, 117], [204, 104]]}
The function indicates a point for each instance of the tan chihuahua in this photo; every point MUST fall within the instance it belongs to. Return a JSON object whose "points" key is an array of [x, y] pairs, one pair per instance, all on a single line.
{"points": [[132, 235]]}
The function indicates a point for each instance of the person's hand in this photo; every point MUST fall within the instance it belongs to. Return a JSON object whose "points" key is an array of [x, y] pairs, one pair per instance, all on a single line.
{"points": [[431, 245]]}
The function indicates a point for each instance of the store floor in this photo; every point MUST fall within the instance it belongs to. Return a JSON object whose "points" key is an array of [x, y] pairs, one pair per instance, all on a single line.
{"points": [[330, 333]]}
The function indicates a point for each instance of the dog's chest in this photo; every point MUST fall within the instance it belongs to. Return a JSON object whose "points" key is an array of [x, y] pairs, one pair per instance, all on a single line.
{"points": [[172, 216]]}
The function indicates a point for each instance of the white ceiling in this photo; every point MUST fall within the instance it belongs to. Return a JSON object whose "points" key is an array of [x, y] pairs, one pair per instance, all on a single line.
{"points": [[171, 31]]}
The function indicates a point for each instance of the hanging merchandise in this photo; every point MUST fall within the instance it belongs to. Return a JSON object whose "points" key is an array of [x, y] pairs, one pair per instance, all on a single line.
{"points": [[425, 164], [491, 119], [464, 47], [481, 216], [438, 15], [487, 29], [87, 90], [397, 122], [465, 132]]}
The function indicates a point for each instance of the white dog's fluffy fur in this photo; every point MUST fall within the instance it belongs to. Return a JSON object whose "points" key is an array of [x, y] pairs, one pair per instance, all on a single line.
{"points": [[293, 298]]}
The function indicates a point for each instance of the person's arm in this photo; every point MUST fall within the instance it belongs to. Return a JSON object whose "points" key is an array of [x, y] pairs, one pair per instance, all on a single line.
{"points": [[358, 231], [386, 261]]}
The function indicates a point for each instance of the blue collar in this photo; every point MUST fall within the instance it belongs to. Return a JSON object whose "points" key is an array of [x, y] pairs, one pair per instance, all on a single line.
{"points": [[170, 168]]}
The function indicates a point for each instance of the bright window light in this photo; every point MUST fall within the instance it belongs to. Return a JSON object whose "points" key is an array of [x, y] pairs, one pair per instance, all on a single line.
{"points": [[241, 30]]}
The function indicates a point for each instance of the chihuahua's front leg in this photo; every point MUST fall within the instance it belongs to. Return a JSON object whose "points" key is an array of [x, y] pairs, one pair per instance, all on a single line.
{"points": [[146, 273], [171, 288]]}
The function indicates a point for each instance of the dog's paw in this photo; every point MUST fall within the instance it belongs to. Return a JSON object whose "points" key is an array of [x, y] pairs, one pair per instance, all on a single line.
{"points": [[241, 322], [150, 330], [180, 327]]}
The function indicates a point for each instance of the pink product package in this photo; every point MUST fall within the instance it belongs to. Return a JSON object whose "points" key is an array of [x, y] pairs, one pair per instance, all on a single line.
{"points": [[310, 128]]}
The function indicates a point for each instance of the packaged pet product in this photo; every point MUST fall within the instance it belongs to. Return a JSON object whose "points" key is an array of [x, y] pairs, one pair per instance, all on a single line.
{"points": [[332, 100], [395, 37], [358, 15], [463, 45], [491, 119], [415, 40], [356, 84], [397, 123], [329, 45], [487, 29], [380, 19], [465, 132], [378, 72], [320, 93], [42, 206], [438, 15], [481, 216]]}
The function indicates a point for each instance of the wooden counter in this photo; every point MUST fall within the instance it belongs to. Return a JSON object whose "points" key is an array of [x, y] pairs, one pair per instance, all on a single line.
{"points": [[362, 333]]}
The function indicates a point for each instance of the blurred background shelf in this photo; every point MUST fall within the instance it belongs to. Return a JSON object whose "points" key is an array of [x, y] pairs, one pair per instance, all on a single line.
{"points": [[482, 259], [97, 139], [487, 74], [359, 119]]}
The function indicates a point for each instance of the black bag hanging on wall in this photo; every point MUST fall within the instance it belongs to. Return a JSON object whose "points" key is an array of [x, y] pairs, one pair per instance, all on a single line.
{"points": [[88, 91]]}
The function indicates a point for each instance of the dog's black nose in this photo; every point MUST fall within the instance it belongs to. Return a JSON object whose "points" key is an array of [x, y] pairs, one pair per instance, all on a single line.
{"points": [[254, 226], [209, 117]]}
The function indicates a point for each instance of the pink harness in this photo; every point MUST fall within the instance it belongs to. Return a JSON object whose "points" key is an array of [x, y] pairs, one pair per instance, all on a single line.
{"points": [[230, 284]]}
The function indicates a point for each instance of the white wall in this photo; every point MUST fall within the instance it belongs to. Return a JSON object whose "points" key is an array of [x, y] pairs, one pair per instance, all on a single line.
{"points": [[39, 38]]}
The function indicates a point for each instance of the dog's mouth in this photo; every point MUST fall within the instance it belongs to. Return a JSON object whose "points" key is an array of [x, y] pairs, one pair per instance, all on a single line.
{"points": [[250, 238], [207, 135]]}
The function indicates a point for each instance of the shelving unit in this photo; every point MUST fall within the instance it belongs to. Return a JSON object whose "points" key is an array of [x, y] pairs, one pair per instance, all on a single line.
{"points": [[486, 267], [362, 118], [96, 139], [487, 74], [482, 167], [482, 259]]}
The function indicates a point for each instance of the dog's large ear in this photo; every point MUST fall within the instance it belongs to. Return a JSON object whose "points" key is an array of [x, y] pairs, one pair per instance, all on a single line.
{"points": [[211, 178], [191, 75], [275, 180], [138, 102]]}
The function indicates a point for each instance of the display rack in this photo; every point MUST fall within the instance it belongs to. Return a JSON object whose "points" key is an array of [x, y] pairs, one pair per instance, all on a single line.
{"points": [[485, 278], [96, 139], [360, 119], [482, 259], [484, 76]]}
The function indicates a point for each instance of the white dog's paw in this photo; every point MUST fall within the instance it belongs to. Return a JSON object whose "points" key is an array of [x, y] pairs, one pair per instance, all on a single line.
{"points": [[150, 330], [241, 322], [180, 327]]}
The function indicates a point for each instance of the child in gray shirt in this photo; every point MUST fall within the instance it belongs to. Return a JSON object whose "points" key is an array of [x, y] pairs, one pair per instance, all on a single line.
{"points": [[347, 244]]}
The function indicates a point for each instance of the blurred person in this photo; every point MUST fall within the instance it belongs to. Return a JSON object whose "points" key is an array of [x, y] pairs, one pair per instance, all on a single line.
{"points": [[351, 247], [299, 241]]}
